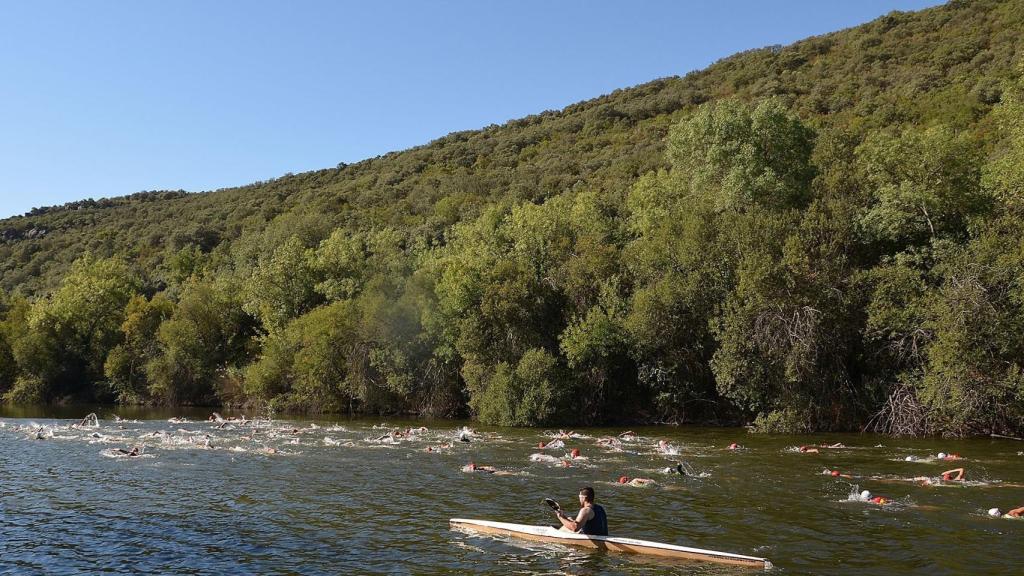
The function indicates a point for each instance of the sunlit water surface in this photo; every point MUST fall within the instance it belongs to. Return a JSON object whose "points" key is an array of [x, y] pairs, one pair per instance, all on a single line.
{"points": [[331, 499]]}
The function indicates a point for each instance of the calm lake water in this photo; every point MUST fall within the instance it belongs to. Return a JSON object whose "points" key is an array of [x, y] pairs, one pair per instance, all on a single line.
{"points": [[333, 500]]}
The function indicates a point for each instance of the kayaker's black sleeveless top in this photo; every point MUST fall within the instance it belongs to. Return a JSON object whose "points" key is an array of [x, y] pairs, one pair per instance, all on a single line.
{"points": [[598, 525]]}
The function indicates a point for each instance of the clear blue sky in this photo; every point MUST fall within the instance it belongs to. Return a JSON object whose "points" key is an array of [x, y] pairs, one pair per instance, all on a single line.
{"points": [[108, 98]]}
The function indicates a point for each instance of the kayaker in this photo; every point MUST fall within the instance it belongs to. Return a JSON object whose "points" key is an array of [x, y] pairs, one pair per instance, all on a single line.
{"points": [[591, 518]]}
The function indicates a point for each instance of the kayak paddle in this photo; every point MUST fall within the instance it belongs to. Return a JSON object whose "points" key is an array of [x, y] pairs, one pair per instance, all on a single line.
{"points": [[554, 506]]}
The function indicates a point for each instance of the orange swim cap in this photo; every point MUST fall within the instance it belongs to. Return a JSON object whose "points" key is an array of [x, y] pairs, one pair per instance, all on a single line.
{"points": [[575, 452], [623, 479]]}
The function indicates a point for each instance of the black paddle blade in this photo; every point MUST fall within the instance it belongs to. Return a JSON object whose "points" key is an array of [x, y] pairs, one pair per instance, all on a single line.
{"points": [[554, 505]]}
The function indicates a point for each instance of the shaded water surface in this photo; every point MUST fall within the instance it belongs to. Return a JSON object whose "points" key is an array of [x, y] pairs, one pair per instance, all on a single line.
{"points": [[331, 499]]}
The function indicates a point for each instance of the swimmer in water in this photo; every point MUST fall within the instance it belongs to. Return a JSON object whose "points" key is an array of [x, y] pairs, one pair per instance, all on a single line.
{"points": [[835, 474], [665, 448], [866, 496], [575, 453], [809, 449], [677, 469], [638, 482], [472, 467], [1015, 513], [944, 456], [735, 446], [130, 453], [954, 475]]}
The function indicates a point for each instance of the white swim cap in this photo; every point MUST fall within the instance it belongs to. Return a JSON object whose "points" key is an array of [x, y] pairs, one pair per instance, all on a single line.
{"points": [[995, 512], [942, 454], [865, 495], [909, 458]]}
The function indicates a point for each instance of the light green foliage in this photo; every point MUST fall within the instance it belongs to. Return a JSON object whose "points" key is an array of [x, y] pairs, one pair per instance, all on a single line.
{"points": [[526, 395], [736, 155], [307, 365], [125, 366], [341, 259], [282, 286], [1004, 175], [925, 184], [207, 334], [71, 332]]}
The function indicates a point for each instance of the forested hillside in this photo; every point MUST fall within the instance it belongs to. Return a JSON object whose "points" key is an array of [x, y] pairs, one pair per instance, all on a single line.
{"points": [[821, 236]]}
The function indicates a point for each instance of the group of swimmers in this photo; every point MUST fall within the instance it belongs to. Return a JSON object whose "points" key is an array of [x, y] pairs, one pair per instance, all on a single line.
{"points": [[954, 475]]}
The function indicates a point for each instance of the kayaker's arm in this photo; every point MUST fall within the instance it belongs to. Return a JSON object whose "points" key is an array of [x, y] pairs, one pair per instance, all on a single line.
{"points": [[575, 524]]}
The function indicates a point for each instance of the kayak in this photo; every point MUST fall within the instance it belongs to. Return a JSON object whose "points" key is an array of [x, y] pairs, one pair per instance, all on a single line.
{"points": [[613, 543]]}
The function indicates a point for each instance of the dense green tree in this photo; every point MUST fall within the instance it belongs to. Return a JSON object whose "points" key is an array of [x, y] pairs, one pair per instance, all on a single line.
{"points": [[925, 185], [71, 332], [736, 155], [125, 367], [207, 335], [282, 286]]}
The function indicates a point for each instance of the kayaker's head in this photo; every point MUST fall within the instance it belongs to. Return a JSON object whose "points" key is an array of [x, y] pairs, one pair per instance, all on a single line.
{"points": [[586, 495]]}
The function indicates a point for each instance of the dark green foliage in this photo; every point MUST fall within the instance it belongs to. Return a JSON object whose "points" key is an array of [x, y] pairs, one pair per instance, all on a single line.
{"points": [[820, 236]]}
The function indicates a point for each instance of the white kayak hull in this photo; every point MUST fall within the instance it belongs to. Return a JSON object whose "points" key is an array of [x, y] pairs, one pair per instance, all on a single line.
{"points": [[613, 543]]}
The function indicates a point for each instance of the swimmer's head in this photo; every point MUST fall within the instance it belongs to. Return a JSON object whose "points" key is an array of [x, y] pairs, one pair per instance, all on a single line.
{"points": [[909, 458], [575, 452], [865, 495], [623, 479], [942, 455], [835, 473], [540, 445], [995, 512], [733, 446]]}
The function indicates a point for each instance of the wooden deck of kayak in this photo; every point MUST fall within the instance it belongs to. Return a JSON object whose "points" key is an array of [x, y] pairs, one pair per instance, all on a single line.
{"points": [[616, 544]]}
